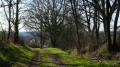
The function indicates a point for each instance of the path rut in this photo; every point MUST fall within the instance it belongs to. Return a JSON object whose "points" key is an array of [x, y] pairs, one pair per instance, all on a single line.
{"points": [[56, 60], [36, 60]]}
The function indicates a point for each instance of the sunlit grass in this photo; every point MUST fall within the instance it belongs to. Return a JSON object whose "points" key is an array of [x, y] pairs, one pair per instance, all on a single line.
{"points": [[13, 55], [46, 60], [78, 61], [19, 56]]}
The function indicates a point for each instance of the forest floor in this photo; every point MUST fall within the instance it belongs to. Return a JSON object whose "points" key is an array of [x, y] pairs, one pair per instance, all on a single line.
{"points": [[23, 56]]}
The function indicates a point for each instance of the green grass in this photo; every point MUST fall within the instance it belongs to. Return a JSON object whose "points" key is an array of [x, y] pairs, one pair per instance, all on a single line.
{"points": [[18, 56], [78, 61], [46, 60], [15, 56]]}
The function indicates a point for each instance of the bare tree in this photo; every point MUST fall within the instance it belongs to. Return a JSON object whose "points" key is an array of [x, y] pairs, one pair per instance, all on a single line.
{"points": [[9, 4], [74, 7], [107, 10], [16, 35], [115, 27]]}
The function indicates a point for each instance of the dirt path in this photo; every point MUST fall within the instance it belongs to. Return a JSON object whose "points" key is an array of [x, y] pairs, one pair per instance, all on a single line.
{"points": [[36, 60], [56, 60]]}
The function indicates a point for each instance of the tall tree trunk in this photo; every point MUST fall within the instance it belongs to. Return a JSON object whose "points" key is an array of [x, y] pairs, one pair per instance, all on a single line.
{"points": [[108, 36], [115, 30], [10, 5], [54, 40], [73, 6], [78, 39], [108, 33], [96, 22], [98, 25], [104, 22], [41, 37], [67, 36], [51, 38], [16, 37]]}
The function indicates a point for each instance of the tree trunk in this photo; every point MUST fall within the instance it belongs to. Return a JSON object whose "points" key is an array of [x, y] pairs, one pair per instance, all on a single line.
{"points": [[96, 21], [104, 22], [54, 40], [10, 5], [115, 30], [108, 33], [41, 37], [98, 26], [16, 38], [108, 36], [73, 4], [78, 39]]}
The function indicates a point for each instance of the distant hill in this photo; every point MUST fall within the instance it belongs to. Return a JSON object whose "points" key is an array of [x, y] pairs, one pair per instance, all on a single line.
{"points": [[25, 34]]}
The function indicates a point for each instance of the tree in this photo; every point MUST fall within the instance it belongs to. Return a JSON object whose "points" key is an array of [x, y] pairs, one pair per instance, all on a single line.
{"points": [[10, 5], [8, 17], [50, 16], [57, 18], [87, 9], [74, 6], [16, 23], [34, 20], [115, 27], [11, 18], [107, 10]]}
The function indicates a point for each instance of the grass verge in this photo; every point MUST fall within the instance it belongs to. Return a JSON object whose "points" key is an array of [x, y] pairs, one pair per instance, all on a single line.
{"points": [[78, 61], [15, 56]]}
